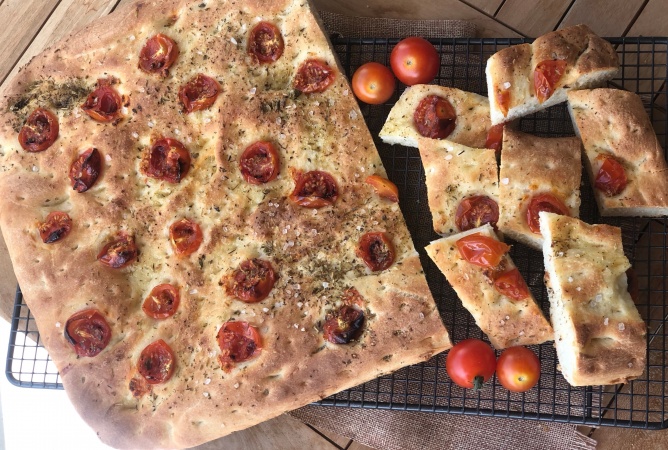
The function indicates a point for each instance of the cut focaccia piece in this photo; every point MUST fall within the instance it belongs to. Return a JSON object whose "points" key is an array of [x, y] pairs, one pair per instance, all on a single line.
{"points": [[526, 78], [496, 296], [462, 117], [599, 334], [537, 174], [626, 164], [462, 185]]}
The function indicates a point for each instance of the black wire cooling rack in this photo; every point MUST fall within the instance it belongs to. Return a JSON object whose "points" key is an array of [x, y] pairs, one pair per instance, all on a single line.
{"points": [[426, 387]]}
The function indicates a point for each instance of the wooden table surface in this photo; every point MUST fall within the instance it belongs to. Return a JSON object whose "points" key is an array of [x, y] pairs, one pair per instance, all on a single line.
{"points": [[28, 26]]}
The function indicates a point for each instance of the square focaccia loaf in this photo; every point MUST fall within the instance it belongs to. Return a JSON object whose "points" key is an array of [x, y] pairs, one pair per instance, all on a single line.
{"points": [[497, 297], [625, 161], [599, 334], [526, 78], [463, 117], [462, 185], [197, 243], [536, 174]]}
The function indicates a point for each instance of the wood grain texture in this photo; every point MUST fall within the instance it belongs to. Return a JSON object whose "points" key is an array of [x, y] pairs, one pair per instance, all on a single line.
{"points": [[605, 18], [426, 9], [652, 21], [533, 18], [20, 22], [488, 6]]}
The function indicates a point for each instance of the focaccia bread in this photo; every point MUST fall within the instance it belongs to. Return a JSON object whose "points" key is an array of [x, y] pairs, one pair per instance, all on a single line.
{"points": [[625, 161], [526, 78], [464, 117], [599, 334], [462, 185], [497, 297], [537, 174], [200, 248]]}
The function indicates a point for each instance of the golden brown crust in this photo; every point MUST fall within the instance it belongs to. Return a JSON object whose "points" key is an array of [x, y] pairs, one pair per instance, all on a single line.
{"points": [[599, 334], [313, 251], [590, 60], [613, 122], [531, 165], [454, 172], [472, 111], [505, 321]]}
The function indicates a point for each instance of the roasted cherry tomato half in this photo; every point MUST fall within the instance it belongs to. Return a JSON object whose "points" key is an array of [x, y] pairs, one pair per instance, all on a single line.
{"points": [[167, 160], [518, 369], [415, 61], [104, 103], [260, 163], [512, 285], [543, 202], [495, 138], [119, 253], [314, 75], [373, 83], [156, 362], [199, 93], [502, 96], [546, 76], [470, 363], [475, 211], [435, 117], [266, 42], [481, 250], [158, 54], [377, 251], [39, 132], [87, 332], [252, 281], [611, 177], [238, 341], [185, 236], [85, 170], [314, 189], [162, 302], [384, 187], [56, 227], [343, 325]]}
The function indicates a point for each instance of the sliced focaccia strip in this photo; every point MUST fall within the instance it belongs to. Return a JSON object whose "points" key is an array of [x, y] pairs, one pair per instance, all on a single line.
{"points": [[437, 112], [537, 174], [599, 334], [526, 78], [462, 185], [491, 288], [626, 164]]}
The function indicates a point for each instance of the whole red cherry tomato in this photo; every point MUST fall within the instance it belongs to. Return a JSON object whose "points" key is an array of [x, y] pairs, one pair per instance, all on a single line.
{"points": [[518, 369], [415, 61], [470, 363], [373, 83]]}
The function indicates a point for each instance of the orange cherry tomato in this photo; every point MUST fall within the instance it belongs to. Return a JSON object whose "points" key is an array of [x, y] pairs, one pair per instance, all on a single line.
{"points": [[481, 250], [238, 341], [435, 117], [373, 83], [495, 138], [377, 251], [156, 362], [518, 369], [56, 227], [39, 132], [265, 42], [415, 61], [162, 302], [611, 177], [546, 76], [502, 96], [475, 211], [543, 202], [470, 363], [87, 332], [185, 236], [512, 285], [384, 187]]}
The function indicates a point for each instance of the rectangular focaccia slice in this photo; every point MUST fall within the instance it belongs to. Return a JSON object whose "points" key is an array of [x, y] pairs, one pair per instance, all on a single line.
{"points": [[454, 173], [599, 334], [505, 321], [534, 171], [613, 123], [471, 110], [511, 73]]}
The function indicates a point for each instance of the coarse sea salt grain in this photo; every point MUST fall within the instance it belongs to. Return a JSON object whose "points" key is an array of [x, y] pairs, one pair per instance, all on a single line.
{"points": [[506, 85], [107, 158], [35, 169], [151, 124], [207, 381], [135, 135], [253, 91], [505, 180], [621, 326], [232, 40], [448, 157], [606, 321], [265, 310], [236, 385], [570, 279], [57, 324]]}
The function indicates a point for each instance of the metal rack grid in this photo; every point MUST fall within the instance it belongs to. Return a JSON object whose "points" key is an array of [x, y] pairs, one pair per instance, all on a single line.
{"points": [[642, 403]]}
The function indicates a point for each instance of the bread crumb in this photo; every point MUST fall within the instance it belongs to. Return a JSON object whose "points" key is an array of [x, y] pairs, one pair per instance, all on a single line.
{"points": [[621, 326]]}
